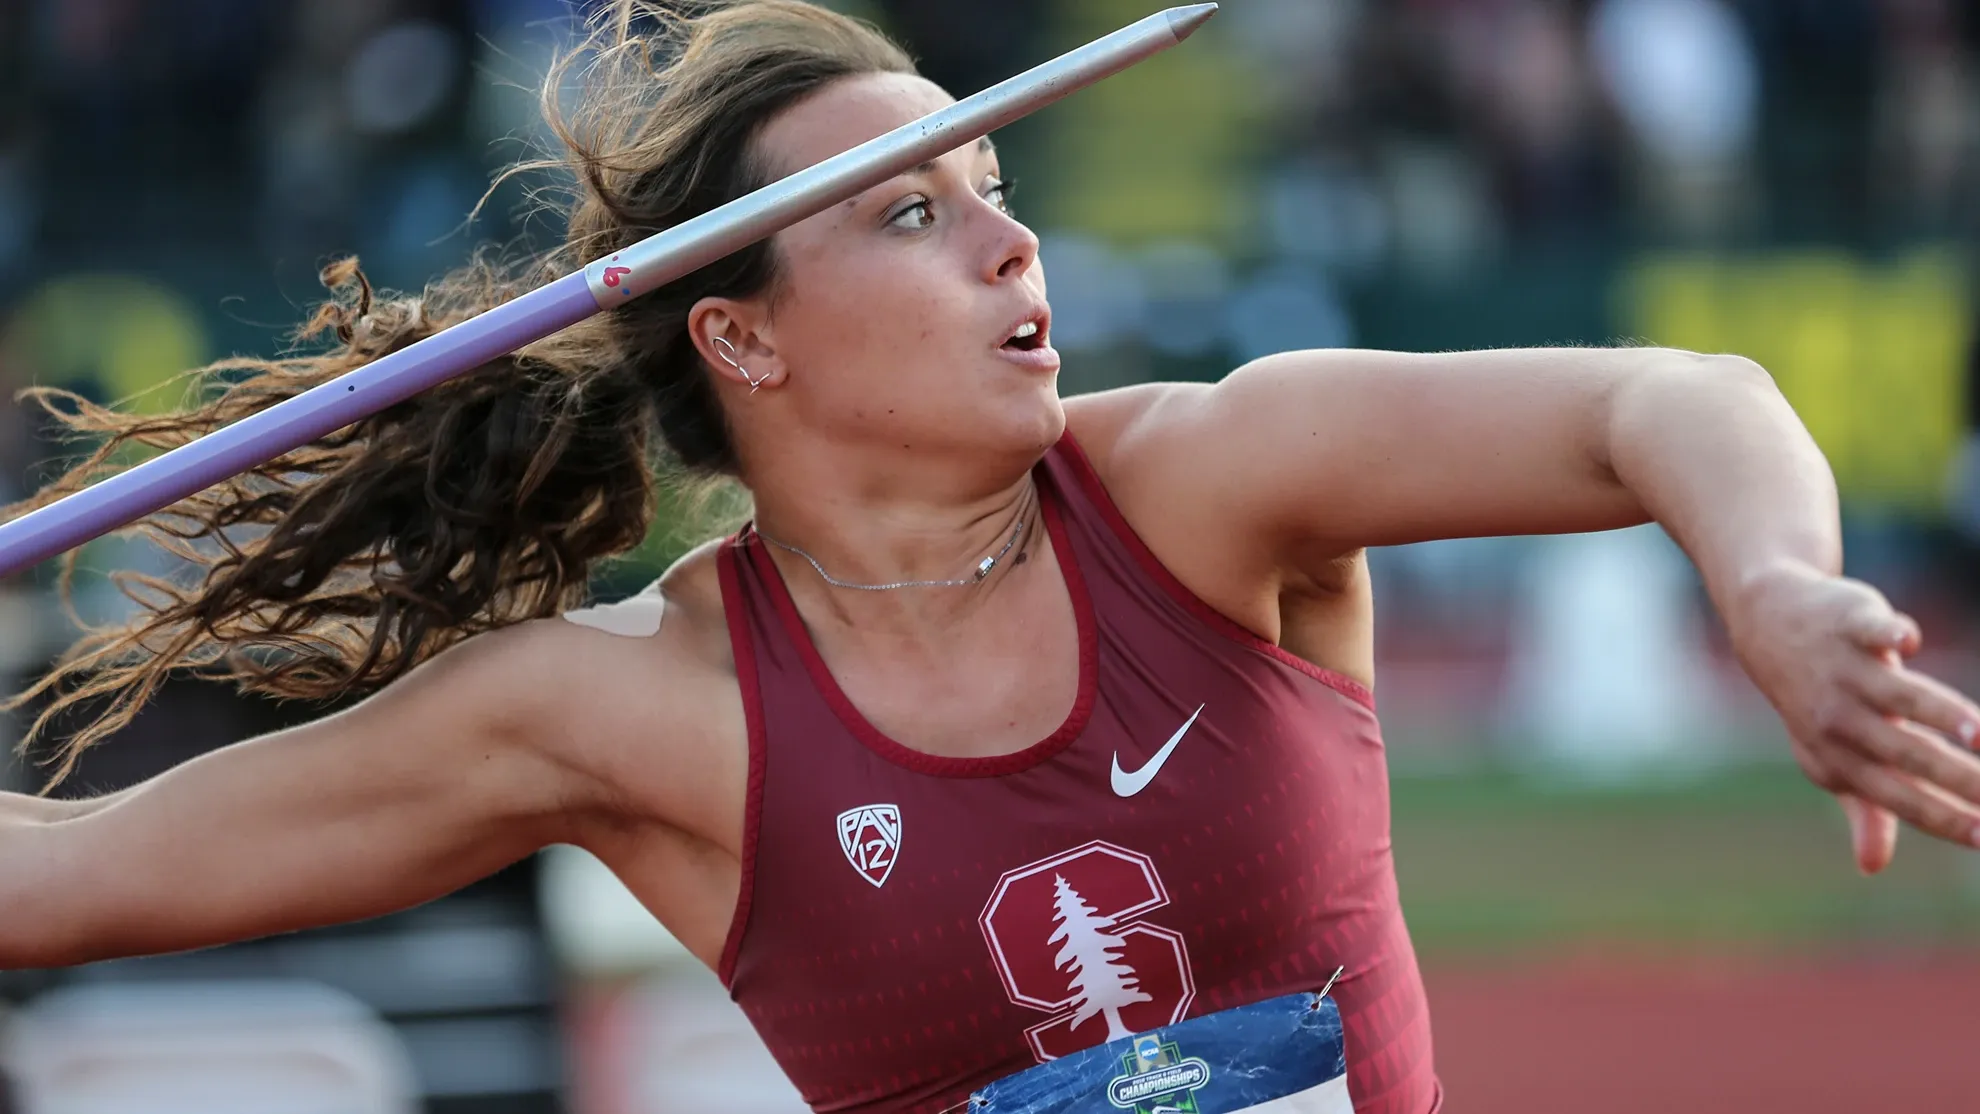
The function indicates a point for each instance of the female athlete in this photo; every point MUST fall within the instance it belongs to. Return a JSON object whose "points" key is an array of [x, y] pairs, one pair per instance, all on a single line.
{"points": [[1011, 723]]}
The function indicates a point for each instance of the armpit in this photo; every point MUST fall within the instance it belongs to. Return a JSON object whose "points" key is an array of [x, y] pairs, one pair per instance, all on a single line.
{"points": [[637, 617]]}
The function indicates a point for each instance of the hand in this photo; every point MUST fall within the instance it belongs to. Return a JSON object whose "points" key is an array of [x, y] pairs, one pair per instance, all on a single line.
{"points": [[1829, 653]]}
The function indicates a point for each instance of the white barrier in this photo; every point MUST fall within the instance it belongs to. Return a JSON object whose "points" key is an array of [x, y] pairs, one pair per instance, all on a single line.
{"points": [[205, 1048]]}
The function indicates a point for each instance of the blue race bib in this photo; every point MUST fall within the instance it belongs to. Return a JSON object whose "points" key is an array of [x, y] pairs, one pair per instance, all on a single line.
{"points": [[1281, 1056]]}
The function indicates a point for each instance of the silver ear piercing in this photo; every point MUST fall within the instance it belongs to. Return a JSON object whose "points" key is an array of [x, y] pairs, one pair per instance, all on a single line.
{"points": [[728, 353]]}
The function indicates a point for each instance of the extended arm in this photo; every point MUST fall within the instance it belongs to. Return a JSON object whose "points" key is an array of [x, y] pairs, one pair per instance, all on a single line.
{"points": [[20, 808], [425, 787], [1311, 455]]}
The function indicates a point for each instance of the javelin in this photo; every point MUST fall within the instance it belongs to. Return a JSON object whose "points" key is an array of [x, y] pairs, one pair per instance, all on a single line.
{"points": [[603, 283]]}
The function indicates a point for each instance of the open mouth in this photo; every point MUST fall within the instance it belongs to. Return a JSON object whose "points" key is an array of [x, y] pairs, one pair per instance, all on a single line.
{"points": [[1028, 338]]}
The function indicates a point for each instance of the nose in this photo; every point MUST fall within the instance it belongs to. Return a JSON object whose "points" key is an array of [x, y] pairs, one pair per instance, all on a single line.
{"points": [[1015, 250]]}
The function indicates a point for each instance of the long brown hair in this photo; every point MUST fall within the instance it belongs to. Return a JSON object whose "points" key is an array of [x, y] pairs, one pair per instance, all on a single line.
{"points": [[486, 501]]}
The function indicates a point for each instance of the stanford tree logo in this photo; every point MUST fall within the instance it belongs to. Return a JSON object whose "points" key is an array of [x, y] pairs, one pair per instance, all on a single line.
{"points": [[1066, 936], [1101, 983]]}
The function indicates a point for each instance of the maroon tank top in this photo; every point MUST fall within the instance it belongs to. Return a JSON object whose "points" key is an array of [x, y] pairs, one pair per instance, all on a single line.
{"points": [[913, 927]]}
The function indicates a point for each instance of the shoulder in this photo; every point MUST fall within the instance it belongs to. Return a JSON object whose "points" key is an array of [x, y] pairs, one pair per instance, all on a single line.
{"points": [[689, 593], [1245, 459], [1147, 444], [1126, 430], [616, 693], [668, 639], [651, 665], [1186, 477]]}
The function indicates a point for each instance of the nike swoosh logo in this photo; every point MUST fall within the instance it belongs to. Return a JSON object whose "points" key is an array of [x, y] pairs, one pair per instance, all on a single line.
{"points": [[1128, 784]]}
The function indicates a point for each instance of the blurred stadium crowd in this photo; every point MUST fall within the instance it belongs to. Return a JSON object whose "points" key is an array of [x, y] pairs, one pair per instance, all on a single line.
{"points": [[1796, 180]]}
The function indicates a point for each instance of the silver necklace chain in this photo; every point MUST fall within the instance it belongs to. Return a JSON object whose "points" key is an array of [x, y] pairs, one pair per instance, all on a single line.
{"points": [[983, 568]]}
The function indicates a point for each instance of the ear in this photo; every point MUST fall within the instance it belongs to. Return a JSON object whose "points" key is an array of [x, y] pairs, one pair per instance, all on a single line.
{"points": [[751, 352]]}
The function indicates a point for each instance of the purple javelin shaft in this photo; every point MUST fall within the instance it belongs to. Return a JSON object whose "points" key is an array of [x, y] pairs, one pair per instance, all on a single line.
{"points": [[164, 480], [642, 267]]}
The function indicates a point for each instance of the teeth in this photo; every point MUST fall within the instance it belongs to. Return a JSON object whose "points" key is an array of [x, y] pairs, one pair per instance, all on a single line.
{"points": [[1028, 329]]}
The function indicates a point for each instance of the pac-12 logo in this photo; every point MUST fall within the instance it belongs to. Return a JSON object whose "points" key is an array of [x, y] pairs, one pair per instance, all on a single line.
{"points": [[1067, 939], [870, 835]]}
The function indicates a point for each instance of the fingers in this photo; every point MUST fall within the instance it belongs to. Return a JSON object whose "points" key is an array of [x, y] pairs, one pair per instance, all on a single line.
{"points": [[1885, 763], [1926, 807], [1876, 627], [1911, 750], [1880, 748], [1895, 691], [1873, 832]]}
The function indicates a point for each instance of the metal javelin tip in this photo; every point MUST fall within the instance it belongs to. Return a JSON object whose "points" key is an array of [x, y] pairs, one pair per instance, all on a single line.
{"points": [[1184, 21]]}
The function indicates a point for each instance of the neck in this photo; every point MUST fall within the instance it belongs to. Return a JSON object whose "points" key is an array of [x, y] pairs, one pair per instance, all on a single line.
{"points": [[878, 532]]}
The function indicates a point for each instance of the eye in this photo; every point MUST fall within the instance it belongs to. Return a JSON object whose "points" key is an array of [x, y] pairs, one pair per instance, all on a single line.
{"points": [[915, 215], [999, 193]]}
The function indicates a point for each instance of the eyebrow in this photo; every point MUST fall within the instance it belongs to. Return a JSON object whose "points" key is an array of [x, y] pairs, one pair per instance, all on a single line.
{"points": [[983, 147]]}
